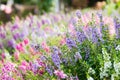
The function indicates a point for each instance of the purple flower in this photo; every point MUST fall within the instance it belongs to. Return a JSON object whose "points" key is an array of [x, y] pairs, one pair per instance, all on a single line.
{"points": [[87, 50], [70, 43], [65, 61], [36, 47], [56, 59], [100, 16], [88, 32], [1, 45], [55, 18], [39, 24], [35, 68], [78, 13], [14, 27], [24, 32], [94, 35], [56, 50], [117, 27], [73, 21], [49, 70], [77, 56], [80, 37], [16, 36], [2, 35], [11, 43], [43, 22], [77, 77], [43, 58], [101, 24]]}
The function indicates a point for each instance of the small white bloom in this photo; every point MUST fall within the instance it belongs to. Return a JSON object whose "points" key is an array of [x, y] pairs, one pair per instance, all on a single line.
{"points": [[118, 48], [113, 76], [106, 56], [103, 74], [117, 67], [90, 78], [91, 71], [107, 65]]}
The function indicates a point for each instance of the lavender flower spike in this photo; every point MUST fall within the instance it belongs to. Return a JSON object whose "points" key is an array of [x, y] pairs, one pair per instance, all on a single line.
{"points": [[56, 59], [49, 70], [78, 13], [81, 37], [70, 43]]}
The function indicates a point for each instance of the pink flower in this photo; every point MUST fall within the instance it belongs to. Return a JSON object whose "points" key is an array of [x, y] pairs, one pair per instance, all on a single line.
{"points": [[24, 63], [40, 72], [8, 67], [3, 55], [44, 44], [48, 29], [60, 74], [26, 41], [62, 41], [24, 66], [45, 47], [19, 47], [8, 9], [72, 30], [21, 44], [16, 55]]}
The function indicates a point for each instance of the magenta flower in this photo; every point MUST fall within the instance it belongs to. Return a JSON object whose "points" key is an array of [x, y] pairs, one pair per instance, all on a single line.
{"points": [[60, 74], [6, 77], [19, 47], [24, 66], [3, 55], [45, 47], [8, 67], [26, 41]]}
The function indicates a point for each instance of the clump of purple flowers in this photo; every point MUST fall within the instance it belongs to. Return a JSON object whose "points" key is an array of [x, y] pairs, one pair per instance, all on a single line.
{"points": [[56, 59], [80, 37], [117, 28], [49, 70], [70, 43], [94, 35]]}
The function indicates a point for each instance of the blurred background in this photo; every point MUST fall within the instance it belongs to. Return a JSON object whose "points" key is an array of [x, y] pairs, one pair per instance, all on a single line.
{"points": [[21, 8]]}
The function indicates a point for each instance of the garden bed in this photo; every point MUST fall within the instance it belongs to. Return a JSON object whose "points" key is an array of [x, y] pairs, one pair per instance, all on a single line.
{"points": [[72, 46]]}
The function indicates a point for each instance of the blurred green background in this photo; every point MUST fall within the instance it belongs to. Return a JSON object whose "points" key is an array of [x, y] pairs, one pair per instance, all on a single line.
{"points": [[22, 8]]}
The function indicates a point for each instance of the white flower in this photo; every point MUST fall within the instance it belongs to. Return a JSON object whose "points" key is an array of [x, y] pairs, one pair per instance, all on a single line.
{"points": [[90, 78], [103, 74], [113, 75], [106, 56], [118, 48], [117, 67], [91, 71], [107, 65]]}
